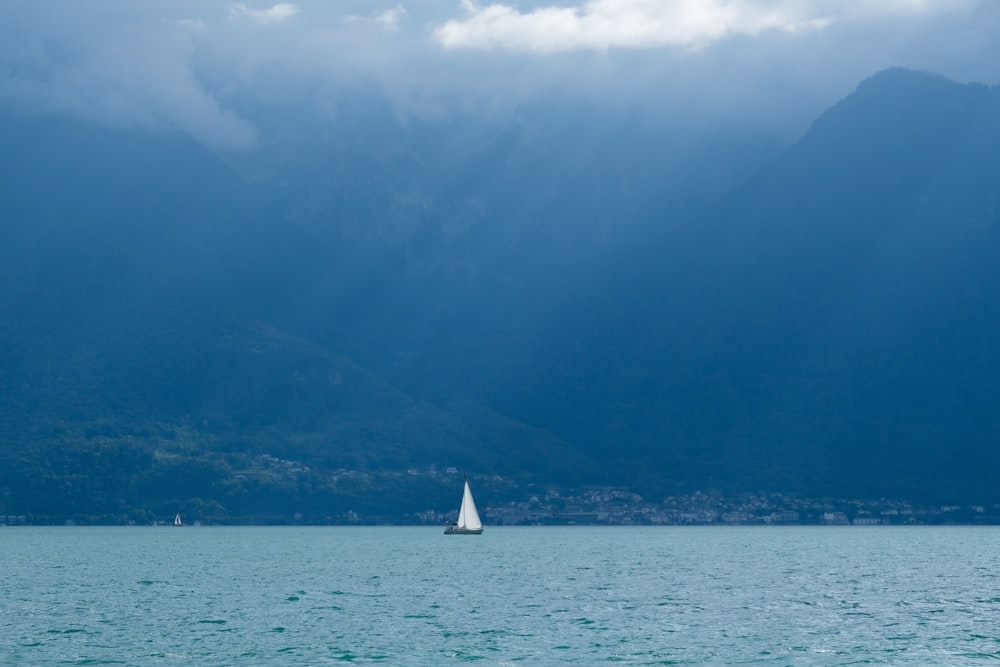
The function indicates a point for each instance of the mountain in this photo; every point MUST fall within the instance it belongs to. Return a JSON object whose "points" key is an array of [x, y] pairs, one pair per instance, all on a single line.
{"points": [[826, 329], [175, 321], [870, 248], [829, 329], [327, 326]]}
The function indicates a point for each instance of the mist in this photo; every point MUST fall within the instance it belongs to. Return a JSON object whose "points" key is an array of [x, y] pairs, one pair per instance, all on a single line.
{"points": [[208, 69]]}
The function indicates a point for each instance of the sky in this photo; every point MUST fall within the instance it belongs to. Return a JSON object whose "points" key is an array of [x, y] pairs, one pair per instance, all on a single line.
{"points": [[206, 67]]}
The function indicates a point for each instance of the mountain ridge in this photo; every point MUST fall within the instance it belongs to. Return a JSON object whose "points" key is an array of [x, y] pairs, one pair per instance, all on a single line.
{"points": [[826, 327]]}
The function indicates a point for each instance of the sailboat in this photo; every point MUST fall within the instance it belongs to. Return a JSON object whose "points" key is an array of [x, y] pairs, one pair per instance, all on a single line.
{"points": [[177, 520], [468, 518]]}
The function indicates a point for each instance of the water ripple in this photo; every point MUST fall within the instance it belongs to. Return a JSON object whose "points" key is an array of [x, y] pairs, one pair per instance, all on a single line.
{"points": [[526, 596]]}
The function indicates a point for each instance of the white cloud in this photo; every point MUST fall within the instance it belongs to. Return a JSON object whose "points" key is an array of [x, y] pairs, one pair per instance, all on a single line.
{"points": [[131, 71], [276, 14], [389, 19], [221, 73], [687, 24]]}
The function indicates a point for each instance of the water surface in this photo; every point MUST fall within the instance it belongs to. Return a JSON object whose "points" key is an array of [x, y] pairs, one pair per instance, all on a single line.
{"points": [[513, 596]]}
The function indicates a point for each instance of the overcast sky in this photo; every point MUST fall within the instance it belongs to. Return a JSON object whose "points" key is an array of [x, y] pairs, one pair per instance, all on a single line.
{"points": [[203, 66]]}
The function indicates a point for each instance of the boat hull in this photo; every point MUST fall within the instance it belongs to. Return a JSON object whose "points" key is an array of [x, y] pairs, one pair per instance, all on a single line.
{"points": [[455, 530]]}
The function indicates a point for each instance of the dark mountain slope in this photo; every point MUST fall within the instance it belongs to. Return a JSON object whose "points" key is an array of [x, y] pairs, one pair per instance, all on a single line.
{"points": [[147, 358], [832, 329], [509, 299], [870, 250]]}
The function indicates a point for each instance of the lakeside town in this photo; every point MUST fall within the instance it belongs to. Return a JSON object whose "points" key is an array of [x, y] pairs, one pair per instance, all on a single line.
{"points": [[616, 507], [611, 506], [503, 502]]}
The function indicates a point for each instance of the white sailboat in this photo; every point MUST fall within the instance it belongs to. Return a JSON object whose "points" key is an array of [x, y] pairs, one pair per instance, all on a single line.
{"points": [[468, 518], [177, 520]]}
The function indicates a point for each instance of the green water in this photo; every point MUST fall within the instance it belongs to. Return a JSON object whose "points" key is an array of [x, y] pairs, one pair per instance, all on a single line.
{"points": [[513, 596]]}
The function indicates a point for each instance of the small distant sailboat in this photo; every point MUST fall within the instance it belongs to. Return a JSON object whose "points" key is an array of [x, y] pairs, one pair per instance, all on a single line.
{"points": [[468, 518], [177, 520]]}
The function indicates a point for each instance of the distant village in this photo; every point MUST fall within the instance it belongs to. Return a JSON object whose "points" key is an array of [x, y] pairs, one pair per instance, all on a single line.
{"points": [[608, 506], [615, 507], [503, 502]]}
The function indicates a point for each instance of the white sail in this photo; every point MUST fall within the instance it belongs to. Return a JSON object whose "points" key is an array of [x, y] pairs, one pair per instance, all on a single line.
{"points": [[468, 517]]}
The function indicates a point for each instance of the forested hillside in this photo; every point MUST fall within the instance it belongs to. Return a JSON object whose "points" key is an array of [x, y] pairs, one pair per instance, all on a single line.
{"points": [[330, 329]]}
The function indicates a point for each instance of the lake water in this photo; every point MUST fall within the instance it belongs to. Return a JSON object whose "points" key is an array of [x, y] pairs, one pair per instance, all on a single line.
{"points": [[513, 596]]}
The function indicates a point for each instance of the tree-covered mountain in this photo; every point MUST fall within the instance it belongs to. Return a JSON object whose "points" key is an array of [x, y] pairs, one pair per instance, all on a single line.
{"points": [[291, 331]]}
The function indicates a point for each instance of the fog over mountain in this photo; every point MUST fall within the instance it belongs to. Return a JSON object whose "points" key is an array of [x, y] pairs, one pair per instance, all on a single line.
{"points": [[213, 70], [260, 261]]}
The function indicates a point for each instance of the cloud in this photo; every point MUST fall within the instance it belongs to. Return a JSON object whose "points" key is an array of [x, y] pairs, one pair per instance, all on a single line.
{"points": [[276, 14], [221, 73], [686, 24], [389, 19], [82, 63]]}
